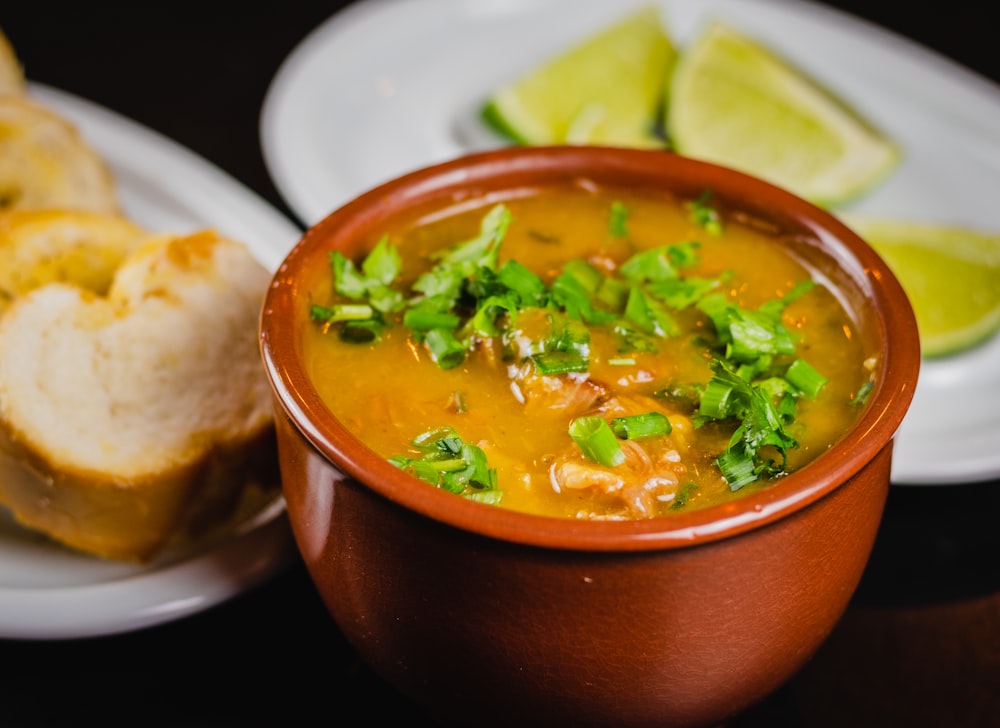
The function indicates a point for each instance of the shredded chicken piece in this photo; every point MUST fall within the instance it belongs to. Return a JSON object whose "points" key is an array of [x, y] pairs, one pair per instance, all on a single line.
{"points": [[569, 392], [651, 473]]}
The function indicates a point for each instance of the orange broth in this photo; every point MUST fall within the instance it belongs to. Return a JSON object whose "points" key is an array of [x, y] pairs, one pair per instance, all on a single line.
{"points": [[389, 391]]}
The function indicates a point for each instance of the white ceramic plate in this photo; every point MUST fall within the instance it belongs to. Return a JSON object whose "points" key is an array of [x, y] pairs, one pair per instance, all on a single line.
{"points": [[49, 592], [388, 86]]}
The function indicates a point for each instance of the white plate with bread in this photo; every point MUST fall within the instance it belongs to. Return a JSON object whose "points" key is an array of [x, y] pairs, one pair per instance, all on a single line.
{"points": [[58, 578]]}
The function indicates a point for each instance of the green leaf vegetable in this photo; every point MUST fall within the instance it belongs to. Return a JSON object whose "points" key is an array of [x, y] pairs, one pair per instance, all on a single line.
{"points": [[449, 463]]}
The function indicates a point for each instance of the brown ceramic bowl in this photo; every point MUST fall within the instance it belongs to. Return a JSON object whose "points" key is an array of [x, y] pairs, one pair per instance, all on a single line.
{"points": [[493, 617]]}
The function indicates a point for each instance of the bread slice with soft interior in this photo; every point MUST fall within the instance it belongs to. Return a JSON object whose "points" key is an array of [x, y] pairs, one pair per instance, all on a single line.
{"points": [[129, 418], [80, 247]]}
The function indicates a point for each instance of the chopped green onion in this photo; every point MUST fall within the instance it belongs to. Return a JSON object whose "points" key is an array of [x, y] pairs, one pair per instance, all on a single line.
{"points": [[552, 363], [737, 467], [444, 348], [421, 320], [729, 395], [862, 396], [490, 497], [704, 215], [448, 466], [618, 219], [360, 332], [421, 468], [634, 427], [715, 399], [341, 312], [429, 439], [452, 465], [683, 494], [597, 441], [805, 378]]}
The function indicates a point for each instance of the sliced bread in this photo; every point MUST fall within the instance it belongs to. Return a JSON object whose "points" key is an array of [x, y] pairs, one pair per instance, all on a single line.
{"points": [[45, 162], [130, 417]]}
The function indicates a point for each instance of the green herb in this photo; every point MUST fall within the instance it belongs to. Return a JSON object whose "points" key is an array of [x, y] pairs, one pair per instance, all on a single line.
{"points": [[357, 322], [618, 219], [682, 495], [805, 378], [521, 281], [453, 465], [728, 395], [597, 441], [863, 392], [373, 281], [747, 336], [704, 215], [567, 335], [635, 427], [446, 350], [649, 315], [552, 363], [425, 320], [341, 312], [680, 293], [569, 294]]}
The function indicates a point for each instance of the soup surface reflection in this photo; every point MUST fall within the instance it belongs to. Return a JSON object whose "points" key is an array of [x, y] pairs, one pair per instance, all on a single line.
{"points": [[586, 353]]}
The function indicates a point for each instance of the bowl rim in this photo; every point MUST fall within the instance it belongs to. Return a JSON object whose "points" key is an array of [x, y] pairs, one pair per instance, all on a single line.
{"points": [[887, 404]]}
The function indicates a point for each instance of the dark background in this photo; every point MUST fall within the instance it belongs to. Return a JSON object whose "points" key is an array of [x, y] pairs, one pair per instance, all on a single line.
{"points": [[920, 645]]}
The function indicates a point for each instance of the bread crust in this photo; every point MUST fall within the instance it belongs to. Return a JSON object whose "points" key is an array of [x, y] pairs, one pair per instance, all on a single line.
{"points": [[80, 247], [128, 418], [45, 162]]}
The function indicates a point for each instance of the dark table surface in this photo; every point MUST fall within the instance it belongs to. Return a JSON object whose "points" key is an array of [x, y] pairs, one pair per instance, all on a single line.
{"points": [[918, 646]]}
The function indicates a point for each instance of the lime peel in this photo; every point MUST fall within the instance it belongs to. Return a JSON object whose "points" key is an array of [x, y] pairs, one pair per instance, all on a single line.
{"points": [[607, 89], [733, 101], [950, 273]]}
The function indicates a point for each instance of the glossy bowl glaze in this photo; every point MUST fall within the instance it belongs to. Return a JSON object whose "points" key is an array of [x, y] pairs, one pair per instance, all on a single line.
{"points": [[493, 617]]}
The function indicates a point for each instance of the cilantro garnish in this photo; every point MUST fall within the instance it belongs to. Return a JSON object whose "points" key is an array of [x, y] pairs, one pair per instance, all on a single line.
{"points": [[704, 215], [453, 465], [618, 220]]}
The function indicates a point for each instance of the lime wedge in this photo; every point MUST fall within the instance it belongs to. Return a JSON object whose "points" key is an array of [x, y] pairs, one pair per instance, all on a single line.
{"points": [[605, 90], [950, 274], [733, 101]]}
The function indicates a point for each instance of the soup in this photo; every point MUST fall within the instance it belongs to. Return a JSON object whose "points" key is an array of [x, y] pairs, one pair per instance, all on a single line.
{"points": [[586, 352]]}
